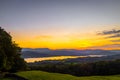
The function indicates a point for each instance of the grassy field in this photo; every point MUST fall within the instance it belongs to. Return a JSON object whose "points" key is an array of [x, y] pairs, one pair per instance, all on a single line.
{"points": [[39, 75]]}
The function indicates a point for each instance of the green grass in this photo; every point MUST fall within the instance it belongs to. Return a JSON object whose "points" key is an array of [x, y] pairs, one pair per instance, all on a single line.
{"points": [[40, 75]]}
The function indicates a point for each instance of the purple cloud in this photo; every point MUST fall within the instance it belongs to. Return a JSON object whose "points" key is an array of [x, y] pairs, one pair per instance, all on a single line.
{"points": [[115, 46], [109, 32], [114, 36]]}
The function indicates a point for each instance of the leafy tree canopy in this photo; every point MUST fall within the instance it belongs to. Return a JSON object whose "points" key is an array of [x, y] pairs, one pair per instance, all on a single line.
{"points": [[10, 59]]}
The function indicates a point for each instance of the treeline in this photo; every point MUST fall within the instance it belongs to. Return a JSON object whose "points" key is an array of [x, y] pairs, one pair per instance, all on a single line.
{"points": [[84, 69]]}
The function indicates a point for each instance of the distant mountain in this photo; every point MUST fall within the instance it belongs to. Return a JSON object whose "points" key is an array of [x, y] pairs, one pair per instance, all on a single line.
{"points": [[45, 52], [77, 60], [36, 49], [93, 59]]}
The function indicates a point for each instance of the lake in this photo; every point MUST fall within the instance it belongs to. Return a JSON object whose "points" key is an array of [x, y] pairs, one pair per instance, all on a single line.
{"points": [[28, 60]]}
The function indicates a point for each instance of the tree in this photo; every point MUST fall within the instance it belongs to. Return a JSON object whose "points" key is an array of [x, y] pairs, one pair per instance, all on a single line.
{"points": [[2, 59], [9, 53]]}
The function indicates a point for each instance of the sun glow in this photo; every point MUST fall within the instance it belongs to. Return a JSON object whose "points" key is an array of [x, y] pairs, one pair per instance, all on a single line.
{"points": [[64, 42]]}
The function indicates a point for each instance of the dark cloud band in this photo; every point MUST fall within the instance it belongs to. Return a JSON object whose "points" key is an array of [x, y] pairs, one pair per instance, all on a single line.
{"points": [[114, 36], [109, 32]]}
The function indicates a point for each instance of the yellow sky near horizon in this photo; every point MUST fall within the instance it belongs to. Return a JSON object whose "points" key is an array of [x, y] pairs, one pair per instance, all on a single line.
{"points": [[69, 41]]}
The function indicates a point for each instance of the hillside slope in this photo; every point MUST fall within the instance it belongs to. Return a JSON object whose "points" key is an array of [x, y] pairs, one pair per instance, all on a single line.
{"points": [[40, 75]]}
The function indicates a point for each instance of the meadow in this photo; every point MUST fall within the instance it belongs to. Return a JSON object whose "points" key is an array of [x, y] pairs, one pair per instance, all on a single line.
{"points": [[40, 75]]}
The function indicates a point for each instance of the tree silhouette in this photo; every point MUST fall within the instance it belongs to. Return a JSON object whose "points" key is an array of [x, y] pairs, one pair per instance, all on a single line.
{"points": [[10, 53]]}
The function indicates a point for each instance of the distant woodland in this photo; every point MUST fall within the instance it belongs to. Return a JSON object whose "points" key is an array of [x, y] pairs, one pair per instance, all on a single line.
{"points": [[83, 69]]}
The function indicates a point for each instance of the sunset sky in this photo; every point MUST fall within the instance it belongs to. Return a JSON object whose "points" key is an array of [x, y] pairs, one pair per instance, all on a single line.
{"points": [[62, 24]]}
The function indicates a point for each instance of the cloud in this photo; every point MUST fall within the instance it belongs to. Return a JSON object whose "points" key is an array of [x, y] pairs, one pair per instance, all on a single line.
{"points": [[109, 46], [114, 36], [114, 31], [116, 40]]}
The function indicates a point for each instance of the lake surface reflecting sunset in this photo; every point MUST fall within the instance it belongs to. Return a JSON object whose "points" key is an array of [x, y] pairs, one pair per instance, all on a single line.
{"points": [[58, 58]]}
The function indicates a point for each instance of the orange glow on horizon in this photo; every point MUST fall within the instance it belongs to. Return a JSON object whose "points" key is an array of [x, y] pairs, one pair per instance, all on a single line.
{"points": [[66, 39], [89, 41]]}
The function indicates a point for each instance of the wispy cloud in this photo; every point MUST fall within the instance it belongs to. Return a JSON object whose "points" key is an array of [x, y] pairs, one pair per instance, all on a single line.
{"points": [[114, 31], [109, 46], [118, 40], [114, 36]]}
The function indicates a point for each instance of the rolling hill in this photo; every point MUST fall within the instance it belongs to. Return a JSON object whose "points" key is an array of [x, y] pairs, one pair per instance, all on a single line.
{"points": [[45, 52], [40, 75]]}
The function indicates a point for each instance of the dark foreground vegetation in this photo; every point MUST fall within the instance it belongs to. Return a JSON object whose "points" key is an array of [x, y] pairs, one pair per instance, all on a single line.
{"points": [[14, 77], [84, 69], [10, 60]]}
